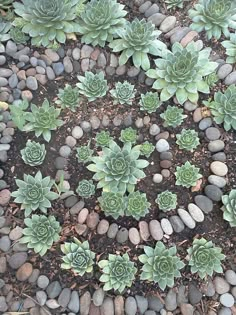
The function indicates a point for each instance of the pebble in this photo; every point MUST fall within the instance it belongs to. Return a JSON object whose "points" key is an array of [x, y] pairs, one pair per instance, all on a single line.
{"points": [[77, 132], [189, 38], [162, 145], [154, 303], [142, 304], [65, 151], [52, 55], [223, 311], [231, 78], [227, 299], [98, 297], [107, 307], [17, 260], [42, 282], [3, 304], [77, 207], [216, 146], [157, 18], [221, 285], [83, 214], [220, 156], [64, 297], [130, 306], [157, 178], [212, 133], [95, 122], [58, 68], [186, 309], [224, 70], [5, 243], [168, 24], [213, 192], [119, 305], [186, 218], [52, 303], [204, 203], [195, 212], [179, 34], [122, 235], [154, 8], [176, 223], [92, 220], [205, 123], [155, 230], [189, 106], [32, 83], [181, 295], [3, 82], [24, 272], [194, 294], [134, 236], [76, 53], [3, 264], [145, 6], [219, 168], [112, 231], [217, 181], [68, 66], [34, 276], [50, 74], [41, 297], [80, 229], [86, 126], [154, 130], [70, 141], [60, 163], [71, 201], [230, 277], [74, 304], [170, 300], [197, 115], [54, 289], [102, 227], [86, 51]]}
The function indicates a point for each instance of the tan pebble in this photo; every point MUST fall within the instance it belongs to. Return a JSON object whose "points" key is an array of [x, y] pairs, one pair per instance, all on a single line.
{"points": [[134, 236], [24, 272], [144, 230], [103, 227], [82, 217], [92, 220], [188, 38]]}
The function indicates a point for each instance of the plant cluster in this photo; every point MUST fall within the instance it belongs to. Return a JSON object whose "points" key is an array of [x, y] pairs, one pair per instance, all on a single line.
{"points": [[5, 4], [171, 4], [173, 116], [128, 135], [5, 27], [147, 148], [230, 46]]}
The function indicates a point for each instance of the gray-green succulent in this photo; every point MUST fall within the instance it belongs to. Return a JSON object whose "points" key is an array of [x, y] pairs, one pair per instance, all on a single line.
{"points": [[84, 153], [149, 102], [166, 201], [68, 98], [34, 193], [47, 22], [113, 204], [188, 139], [40, 233], [147, 148], [18, 113], [175, 3], [160, 265], [213, 16], [123, 93], [86, 188], [100, 21], [138, 39], [229, 207], [103, 138], [92, 85], [180, 73], [137, 205], [211, 79], [205, 258], [230, 46], [128, 135], [173, 116], [187, 175], [118, 272], [5, 27], [5, 4], [34, 153], [78, 257], [18, 36], [223, 107], [118, 169]]}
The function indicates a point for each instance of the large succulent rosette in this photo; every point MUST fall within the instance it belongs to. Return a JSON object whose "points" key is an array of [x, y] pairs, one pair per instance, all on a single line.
{"points": [[34, 153], [229, 207]]}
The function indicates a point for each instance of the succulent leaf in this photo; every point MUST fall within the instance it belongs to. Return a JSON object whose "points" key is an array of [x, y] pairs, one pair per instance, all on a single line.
{"points": [[103, 138], [147, 148], [84, 153], [128, 135], [137, 205], [230, 46]]}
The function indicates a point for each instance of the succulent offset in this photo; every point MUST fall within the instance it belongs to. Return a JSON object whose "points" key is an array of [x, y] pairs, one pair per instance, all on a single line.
{"points": [[229, 207], [166, 201], [187, 175], [149, 102], [18, 36], [100, 21], [205, 258], [84, 153], [223, 107], [211, 79], [230, 46], [173, 116], [213, 16], [147, 148], [118, 272], [175, 3], [138, 39], [68, 98], [78, 257], [85, 188], [103, 138], [92, 85], [118, 169], [47, 22], [113, 204], [40, 233], [34, 153], [137, 205], [128, 135], [160, 265], [179, 73], [123, 93], [187, 139]]}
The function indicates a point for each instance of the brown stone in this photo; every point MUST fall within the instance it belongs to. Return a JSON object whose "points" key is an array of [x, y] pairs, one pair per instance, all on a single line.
{"points": [[21, 75], [42, 78], [24, 272], [119, 305], [94, 310], [31, 72], [80, 228], [94, 55], [165, 164], [92, 220], [188, 38], [144, 230]]}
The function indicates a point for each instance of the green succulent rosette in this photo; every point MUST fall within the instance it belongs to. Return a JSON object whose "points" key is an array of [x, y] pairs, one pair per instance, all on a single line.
{"points": [[68, 98], [211, 79], [128, 135], [175, 3], [160, 265], [85, 188], [205, 258], [41, 232], [103, 138], [149, 102], [166, 201], [123, 93], [92, 85], [173, 116], [78, 257], [229, 207], [34, 153], [187, 175], [137, 205], [113, 204], [118, 272], [188, 139], [34, 193], [147, 148], [18, 36], [230, 46], [84, 153], [213, 16]]}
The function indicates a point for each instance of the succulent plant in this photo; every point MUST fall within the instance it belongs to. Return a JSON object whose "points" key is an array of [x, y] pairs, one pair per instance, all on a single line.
{"points": [[179, 73], [100, 21], [211, 79], [137, 205], [229, 207], [47, 22], [5, 4], [128, 135], [68, 98], [123, 93], [161, 265], [149, 102], [205, 258], [187, 175], [138, 39], [175, 3], [18, 113], [147, 148], [92, 85], [34, 193], [103, 138], [118, 169], [173, 116], [118, 272], [41, 232], [78, 257], [213, 16], [84, 153], [4, 30], [166, 201], [34, 153], [42, 120], [223, 108], [86, 188], [230, 46], [18, 36], [113, 204], [187, 139]]}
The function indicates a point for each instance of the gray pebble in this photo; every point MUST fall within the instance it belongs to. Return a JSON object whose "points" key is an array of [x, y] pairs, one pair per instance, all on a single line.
{"points": [[170, 300], [86, 51], [166, 156], [117, 121], [212, 133], [155, 230], [217, 181], [17, 260], [157, 18], [204, 203], [194, 294], [231, 78], [219, 168], [168, 24], [41, 297], [58, 68], [130, 306], [142, 303], [34, 62], [225, 311], [216, 146], [189, 106], [176, 223], [221, 285], [157, 178], [54, 289], [152, 10], [219, 156], [86, 126], [42, 282], [186, 218], [154, 303], [98, 297], [74, 304], [6, 139], [122, 235], [71, 201], [227, 299], [195, 212], [205, 123], [162, 145], [3, 82], [32, 83], [64, 297], [112, 231], [213, 192], [5, 243], [11, 48], [95, 122], [13, 81], [68, 66], [65, 151], [154, 130], [76, 53], [70, 141], [230, 277], [50, 73], [224, 70], [145, 6], [133, 72], [60, 163], [77, 132]]}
